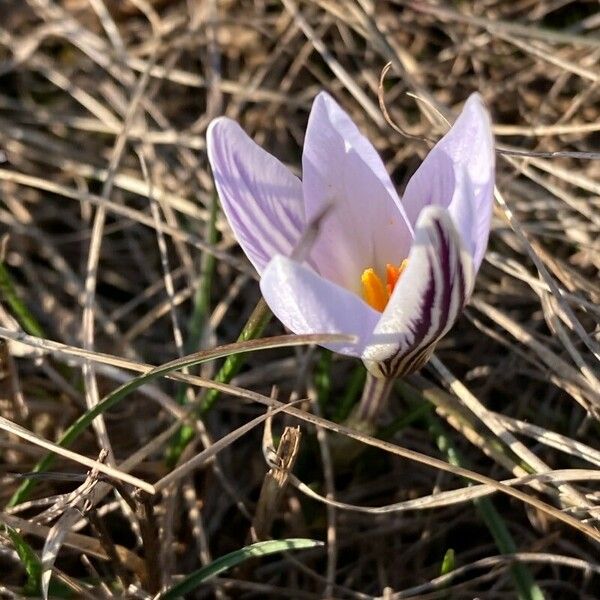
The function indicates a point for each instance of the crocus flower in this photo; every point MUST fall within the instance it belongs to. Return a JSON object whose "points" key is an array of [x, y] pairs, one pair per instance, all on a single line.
{"points": [[394, 272]]}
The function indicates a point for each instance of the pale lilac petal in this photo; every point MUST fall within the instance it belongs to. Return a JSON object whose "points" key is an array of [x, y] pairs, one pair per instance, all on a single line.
{"points": [[427, 300], [306, 303], [458, 174], [261, 198], [365, 225]]}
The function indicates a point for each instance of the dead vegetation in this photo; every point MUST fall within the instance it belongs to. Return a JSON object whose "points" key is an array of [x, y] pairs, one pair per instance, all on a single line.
{"points": [[113, 259]]}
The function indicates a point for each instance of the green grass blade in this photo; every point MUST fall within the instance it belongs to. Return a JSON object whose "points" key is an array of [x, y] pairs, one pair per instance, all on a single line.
{"points": [[323, 379], [258, 320], [254, 327], [23, 315], [195, 329], [192, 581], [127, 388], [524, 582], [351, 394], [30, 560], [202, 296], [447, 562], [526, 587]]}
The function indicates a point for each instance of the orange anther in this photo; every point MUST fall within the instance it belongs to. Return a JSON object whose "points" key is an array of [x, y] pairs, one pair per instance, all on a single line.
{"points": [[375, 293], [393, 275]]}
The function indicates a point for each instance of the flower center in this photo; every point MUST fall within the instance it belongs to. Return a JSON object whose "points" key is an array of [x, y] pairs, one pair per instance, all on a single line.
{"points": [[375, 292]]}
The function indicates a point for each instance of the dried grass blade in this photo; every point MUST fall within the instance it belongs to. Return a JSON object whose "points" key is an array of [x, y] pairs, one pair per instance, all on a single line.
{"points": [[53, 544], [121, 392]]}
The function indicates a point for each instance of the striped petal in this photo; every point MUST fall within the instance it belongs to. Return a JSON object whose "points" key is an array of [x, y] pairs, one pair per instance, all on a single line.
{"points": [[426, 301], [458, 174], [306, 303], [261, 197]]}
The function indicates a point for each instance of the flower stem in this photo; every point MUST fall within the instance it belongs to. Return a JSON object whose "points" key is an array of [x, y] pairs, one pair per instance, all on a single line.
{"points": [[374, 398]]}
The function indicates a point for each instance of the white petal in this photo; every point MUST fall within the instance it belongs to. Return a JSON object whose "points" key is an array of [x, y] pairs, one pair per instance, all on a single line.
{"points": [[458, 174], [365, 226], [306, 303]]}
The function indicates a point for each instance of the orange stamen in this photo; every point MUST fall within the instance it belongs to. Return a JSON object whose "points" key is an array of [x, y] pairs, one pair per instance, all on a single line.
{"points": [[375, 292], [393, 275]]}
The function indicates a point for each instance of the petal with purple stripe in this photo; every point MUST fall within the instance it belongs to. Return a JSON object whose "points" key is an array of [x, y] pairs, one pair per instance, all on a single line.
{"points": [[260, 196], [426, 301]]}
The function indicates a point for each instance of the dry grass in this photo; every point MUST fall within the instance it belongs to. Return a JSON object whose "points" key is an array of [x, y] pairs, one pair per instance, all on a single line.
{"points": [[110, 260]]}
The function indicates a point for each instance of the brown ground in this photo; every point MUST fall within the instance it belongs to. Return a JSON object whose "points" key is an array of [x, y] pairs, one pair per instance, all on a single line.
{"points": [[105, 204]]}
